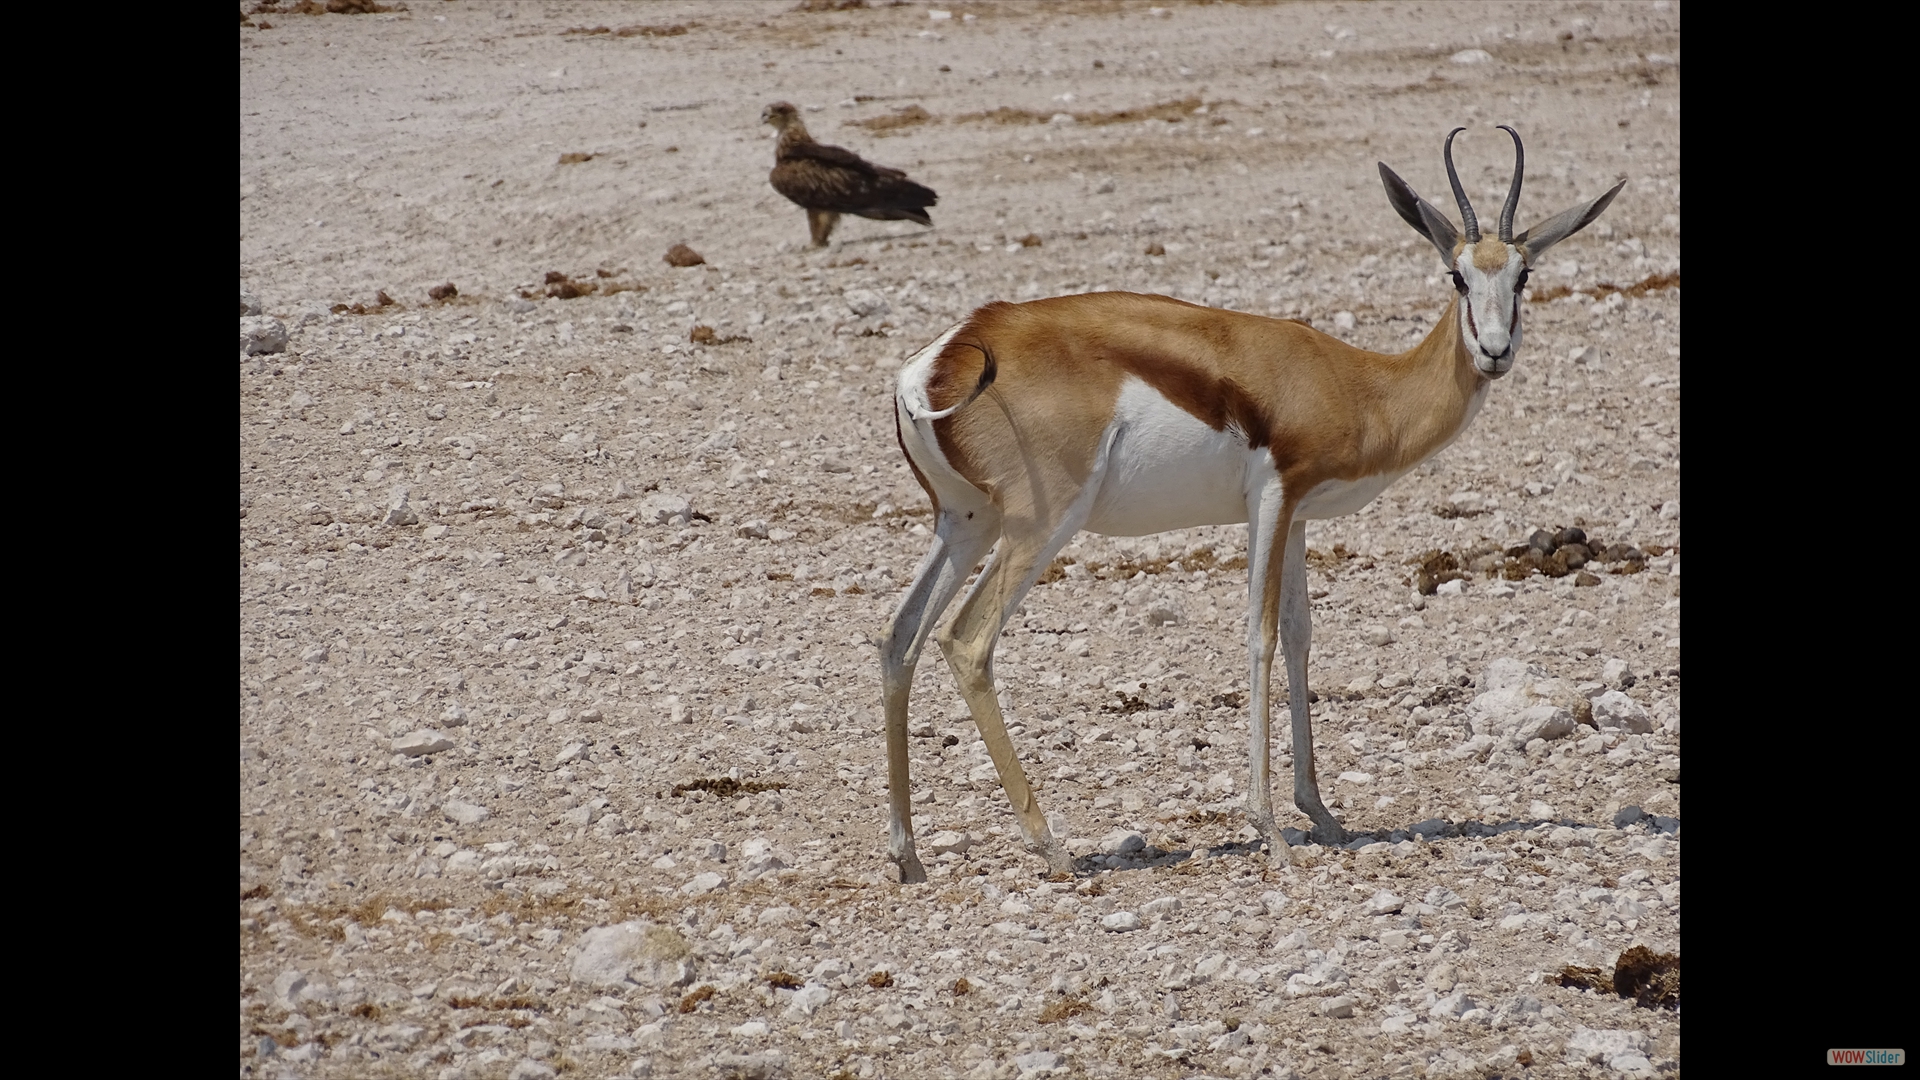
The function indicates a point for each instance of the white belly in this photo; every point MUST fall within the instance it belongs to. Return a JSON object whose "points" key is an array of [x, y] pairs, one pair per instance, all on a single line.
{"points": [[1167, 470]]}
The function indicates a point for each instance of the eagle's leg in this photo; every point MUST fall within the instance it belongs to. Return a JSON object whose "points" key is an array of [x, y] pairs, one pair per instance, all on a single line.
{"points": [[821, 222]]}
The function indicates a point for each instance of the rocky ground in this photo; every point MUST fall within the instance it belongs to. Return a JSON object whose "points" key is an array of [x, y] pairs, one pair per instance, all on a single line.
{"points": [[559, 726]]}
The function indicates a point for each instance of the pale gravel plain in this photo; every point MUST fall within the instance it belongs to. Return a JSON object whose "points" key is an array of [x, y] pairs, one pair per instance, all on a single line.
{"points": [[544, 610]]}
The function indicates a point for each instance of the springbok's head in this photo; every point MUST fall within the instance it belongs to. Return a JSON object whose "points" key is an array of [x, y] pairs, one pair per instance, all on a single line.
{"points": [[1488, 273]]}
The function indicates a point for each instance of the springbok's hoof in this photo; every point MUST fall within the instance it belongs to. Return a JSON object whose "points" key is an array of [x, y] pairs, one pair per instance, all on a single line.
{"points": [[1330, 835], [911, 872]]}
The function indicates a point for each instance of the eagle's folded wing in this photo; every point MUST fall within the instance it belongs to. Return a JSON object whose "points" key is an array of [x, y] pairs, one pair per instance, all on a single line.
{"points": [[873, 192]]}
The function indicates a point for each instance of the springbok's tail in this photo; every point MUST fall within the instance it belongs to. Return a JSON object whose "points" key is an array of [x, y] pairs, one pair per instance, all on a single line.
{"points": [[988, 372]]}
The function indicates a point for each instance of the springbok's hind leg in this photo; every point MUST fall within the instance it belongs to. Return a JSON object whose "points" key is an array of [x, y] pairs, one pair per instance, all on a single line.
{"points": [[968, 644], [959, 543]]}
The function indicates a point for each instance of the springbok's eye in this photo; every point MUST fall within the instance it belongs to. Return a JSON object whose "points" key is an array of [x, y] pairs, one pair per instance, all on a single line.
{"points": [[1459, 283], [1522, 283]]}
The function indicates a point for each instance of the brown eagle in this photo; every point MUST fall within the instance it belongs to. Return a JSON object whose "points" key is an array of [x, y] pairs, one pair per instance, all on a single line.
{"points": [[827, 181]]}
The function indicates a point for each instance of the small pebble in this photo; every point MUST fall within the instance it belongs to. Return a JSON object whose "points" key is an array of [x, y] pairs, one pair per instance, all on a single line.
{"points": [[422, 742]]}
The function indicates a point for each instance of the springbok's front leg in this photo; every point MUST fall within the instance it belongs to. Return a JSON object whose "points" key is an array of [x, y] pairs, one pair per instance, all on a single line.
{"points": [[1296, 635]]}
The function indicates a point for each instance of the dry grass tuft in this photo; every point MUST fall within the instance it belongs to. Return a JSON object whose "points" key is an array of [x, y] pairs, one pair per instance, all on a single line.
{"points": [[1196, 559], [904, 117], [704, 335], [692, 1001], [1063, 1008], [1651, 283], [1005, 114], [497, 1004], [670, 30], [1172, 112]]}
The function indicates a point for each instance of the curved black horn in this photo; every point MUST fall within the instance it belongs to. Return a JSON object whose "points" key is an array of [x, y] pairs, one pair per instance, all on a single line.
{"points": [[1513, 193], [1460, 194]]}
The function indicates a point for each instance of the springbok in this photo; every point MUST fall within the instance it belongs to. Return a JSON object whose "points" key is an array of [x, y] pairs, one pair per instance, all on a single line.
{"points": [[1126, 414]]}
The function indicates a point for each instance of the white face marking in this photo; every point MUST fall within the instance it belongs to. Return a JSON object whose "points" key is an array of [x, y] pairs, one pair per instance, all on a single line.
{"points": [[1168, 470], [1490, 323]]}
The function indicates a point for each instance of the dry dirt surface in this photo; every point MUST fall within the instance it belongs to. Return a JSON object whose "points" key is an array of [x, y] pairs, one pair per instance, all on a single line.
{"points": [[559, 694]]}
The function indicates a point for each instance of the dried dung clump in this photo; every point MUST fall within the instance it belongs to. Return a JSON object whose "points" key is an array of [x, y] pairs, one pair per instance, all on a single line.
{"points": [[1436, 569], [565, 288], [682, 255], [726, 787], [692, 1001], [380, 300], [782, 980], [575, 158], [443, 292], [880, 980], [1651, 979], [1566, 551]]}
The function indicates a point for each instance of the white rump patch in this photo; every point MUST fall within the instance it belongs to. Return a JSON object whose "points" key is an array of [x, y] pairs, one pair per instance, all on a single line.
{"points": [[912, 387], [916, 418]]}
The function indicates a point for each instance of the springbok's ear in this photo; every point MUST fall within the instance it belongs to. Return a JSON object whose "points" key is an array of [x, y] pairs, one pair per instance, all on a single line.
{"points": [[1564, 224], [1421, 214]]}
